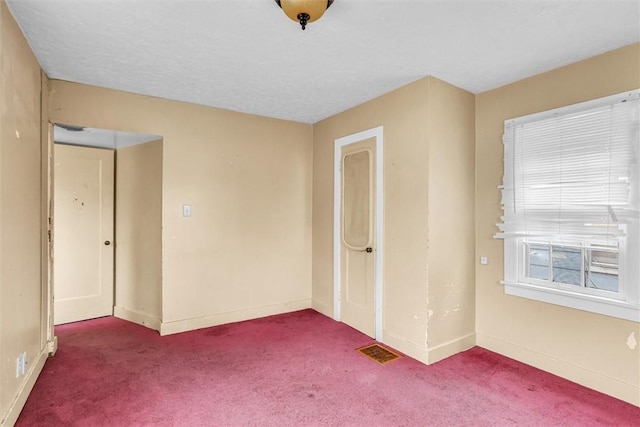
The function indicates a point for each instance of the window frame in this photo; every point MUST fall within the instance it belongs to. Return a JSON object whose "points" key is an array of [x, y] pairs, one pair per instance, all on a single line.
{"points": [[624, 304], [514, 263], [523, 277]]}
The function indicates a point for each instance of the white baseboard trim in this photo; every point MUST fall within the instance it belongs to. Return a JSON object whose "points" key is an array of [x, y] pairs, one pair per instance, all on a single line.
{"points": [[143, 319], [21, 398], [432, 355], [452, 347], [52, 346], [177, 326], [322, 308], [406, 347], [613, 387]]}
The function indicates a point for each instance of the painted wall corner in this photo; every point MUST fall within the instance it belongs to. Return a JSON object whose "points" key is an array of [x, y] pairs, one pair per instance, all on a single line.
{"points": [[581, 346]]}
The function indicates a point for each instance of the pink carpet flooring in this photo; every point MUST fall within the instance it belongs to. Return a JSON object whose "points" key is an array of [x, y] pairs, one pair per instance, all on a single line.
{"points": [[296, 369]]}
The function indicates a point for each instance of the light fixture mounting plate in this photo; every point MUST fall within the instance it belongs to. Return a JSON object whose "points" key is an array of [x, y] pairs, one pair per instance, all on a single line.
{"points": [[304, 11]]}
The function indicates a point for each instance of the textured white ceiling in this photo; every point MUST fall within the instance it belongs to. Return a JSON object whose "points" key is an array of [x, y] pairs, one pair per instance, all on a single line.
{"points": [[246, 55]]}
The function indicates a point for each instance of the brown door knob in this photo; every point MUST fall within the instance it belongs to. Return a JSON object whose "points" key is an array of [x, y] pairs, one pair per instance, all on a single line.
{"points": [[107, 243], [369, 250]]}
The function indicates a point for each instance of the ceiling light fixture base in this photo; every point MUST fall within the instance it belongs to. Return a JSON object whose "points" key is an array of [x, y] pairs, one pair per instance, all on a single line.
{"points": [[303, 18], [304, 11]]}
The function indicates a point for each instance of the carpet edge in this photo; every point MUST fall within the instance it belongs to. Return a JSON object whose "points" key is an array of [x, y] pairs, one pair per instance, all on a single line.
{"points": [[577, 374], [185, 325], [137, 317]]}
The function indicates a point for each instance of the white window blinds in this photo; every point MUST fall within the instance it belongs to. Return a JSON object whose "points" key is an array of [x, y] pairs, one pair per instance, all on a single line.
{"points": [[572, 174]]}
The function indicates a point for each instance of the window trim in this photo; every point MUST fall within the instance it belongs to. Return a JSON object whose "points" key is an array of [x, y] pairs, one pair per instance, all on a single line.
{"points": [[523, 278], [559, 296], [626, 303]]}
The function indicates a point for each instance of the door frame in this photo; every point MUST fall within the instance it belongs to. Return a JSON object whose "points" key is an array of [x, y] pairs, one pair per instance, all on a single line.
{"points": [[339, 143], [47, 163]]}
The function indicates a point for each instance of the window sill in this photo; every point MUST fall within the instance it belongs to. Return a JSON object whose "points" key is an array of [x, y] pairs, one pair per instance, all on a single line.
{"points": [[594, 304]]}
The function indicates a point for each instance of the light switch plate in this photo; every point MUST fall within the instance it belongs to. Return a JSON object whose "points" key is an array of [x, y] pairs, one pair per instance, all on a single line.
{"points": [[186, 210]]}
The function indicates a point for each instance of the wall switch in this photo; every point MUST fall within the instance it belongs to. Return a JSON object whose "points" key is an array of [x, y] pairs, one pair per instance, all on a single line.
{"points": [[484, 260], [186, 210]]}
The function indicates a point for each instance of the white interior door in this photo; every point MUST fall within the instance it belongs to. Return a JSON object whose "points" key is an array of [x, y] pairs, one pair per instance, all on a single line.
{"points": [[357, 264], [83, 233]]}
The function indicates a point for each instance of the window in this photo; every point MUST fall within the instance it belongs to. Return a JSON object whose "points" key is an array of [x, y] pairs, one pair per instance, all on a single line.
{"points": [[570, 198]]}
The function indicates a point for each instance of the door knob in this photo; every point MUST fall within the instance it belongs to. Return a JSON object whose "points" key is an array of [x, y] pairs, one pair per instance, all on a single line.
{"points": [[369, 250], [107, 243]]}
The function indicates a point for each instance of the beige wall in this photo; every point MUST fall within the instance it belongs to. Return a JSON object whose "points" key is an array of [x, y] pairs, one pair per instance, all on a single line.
{"points": [[138, 277], [416, 120], [451, 221], [584, 347], [246, 251], [21, 316]]}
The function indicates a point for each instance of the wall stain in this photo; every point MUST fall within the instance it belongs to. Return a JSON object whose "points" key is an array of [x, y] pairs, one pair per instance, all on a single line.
{"points": [[631, 341]]}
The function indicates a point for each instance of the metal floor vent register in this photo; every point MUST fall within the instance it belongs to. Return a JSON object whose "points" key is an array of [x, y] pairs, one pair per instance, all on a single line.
{"points": [[378, 353]]}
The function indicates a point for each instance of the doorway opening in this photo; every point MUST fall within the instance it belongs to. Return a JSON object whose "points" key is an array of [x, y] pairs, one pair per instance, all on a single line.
{"points": [[105, 186]]}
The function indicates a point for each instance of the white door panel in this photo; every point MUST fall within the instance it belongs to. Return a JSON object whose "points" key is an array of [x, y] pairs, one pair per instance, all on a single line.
{"points": [[83, 233], [357, 233]]}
